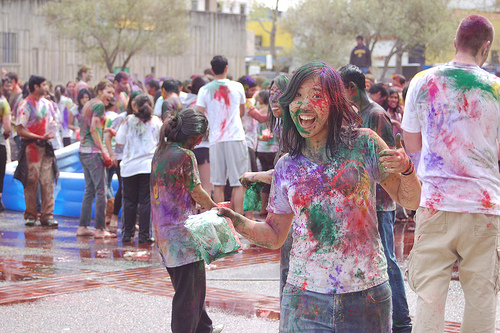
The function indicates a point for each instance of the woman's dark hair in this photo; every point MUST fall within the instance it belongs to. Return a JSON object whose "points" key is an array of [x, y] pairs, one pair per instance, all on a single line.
{"points": [[197, 83], [281, 82], [81, 94], [185, 125], [393, 91], [133, 95], [103, 85], [342, 120], [145, 106], [58, 92], [264, 95]]}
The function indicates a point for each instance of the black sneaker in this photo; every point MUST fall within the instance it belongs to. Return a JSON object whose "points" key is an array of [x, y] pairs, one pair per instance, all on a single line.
{"points": [[147, 240]]}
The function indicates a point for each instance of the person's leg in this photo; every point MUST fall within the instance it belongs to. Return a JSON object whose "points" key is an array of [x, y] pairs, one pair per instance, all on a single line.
{"points": [[188, 305], [144, 208], [306, 311], [401, 321], [89, 194], [218, 170], [33, 161], [109, 177], [252, 158], [203, 160], [113, 225], [479, 270], [430, 266], [130, 201], [236, 161], [355, 312], [237, 198], [47, 187], [98, 174]]}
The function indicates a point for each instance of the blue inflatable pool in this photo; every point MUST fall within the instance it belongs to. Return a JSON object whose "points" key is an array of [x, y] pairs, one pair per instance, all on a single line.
{"points": [[69, 189]]}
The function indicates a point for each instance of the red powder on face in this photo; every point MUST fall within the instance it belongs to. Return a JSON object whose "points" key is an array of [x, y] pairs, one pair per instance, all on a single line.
{"points": [[222, 94]]}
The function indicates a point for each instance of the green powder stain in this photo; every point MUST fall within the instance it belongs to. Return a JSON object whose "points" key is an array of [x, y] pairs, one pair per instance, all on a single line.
{"points": [[466, 81], [360, 274], [322, 227]]}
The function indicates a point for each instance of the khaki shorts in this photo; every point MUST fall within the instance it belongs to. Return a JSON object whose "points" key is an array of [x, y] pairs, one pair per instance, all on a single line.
{"points": [[228, 160]]}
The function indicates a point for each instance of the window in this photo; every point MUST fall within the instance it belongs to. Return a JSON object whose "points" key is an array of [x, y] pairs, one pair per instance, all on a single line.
{"points": [[194, 5], [8, 48], [243, 8], [258, 40]]}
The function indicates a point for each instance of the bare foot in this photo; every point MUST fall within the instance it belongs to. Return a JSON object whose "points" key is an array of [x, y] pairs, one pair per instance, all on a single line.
{"points": [[84, 231], [113, 225], [100, 233]]}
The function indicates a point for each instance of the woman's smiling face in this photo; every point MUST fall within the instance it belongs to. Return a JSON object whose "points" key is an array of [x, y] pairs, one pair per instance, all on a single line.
{"points": [[310, 109]]}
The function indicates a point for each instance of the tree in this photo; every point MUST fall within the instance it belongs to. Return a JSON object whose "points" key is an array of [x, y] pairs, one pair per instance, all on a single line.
{"points": [[318, 31], [260, 12], [105, 30], [329, 26]]}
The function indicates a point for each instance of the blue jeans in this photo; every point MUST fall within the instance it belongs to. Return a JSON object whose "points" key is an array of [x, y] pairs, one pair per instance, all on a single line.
{"points": [[94, 173], [401, 321], [363, 311]]}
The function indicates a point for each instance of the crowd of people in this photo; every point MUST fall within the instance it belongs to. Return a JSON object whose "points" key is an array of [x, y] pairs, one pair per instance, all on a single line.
{"points": [[327, 145]]}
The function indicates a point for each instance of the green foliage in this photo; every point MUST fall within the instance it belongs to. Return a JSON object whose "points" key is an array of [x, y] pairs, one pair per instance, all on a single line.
{"points": [[105, 29], [325, 29]]}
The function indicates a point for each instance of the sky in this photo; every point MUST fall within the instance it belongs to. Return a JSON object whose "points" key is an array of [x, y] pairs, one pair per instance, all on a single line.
{"points": [[283, 4]]}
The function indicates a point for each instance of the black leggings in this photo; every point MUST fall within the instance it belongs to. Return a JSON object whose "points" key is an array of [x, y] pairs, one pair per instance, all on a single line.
{"points": [[118, 196]]}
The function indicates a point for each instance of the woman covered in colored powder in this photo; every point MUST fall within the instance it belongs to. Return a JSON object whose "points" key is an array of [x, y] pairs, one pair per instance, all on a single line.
{"points": [[138, 135], [324, 190], [95, 160], [175, 190]]}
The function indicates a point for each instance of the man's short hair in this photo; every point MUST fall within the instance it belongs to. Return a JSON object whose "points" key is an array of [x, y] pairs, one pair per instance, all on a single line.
{"points": [[352, 73], [13, 77], [171, 85], [472, 33], [120, 76], [401, 79], [360, 37], [82, 70], [219, 64], [35, 80], [378, 88], [153, 84]]}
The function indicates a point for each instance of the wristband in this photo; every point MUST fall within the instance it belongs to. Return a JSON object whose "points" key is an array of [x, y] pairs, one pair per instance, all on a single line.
{"points": [[410, 169]]}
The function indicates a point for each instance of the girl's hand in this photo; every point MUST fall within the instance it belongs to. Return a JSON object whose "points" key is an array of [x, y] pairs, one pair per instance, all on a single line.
{"points": [[266, 135], [226, 212], [247, 178], [395, 160]]}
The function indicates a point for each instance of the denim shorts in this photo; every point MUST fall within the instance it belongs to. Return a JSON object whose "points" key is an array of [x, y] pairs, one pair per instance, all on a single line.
{"points": [[369, 310]]}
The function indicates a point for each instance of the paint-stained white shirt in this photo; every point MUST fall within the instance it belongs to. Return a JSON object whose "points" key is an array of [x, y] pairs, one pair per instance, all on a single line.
{"points": [[221, 100], [456, 108], [139, 140]]}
